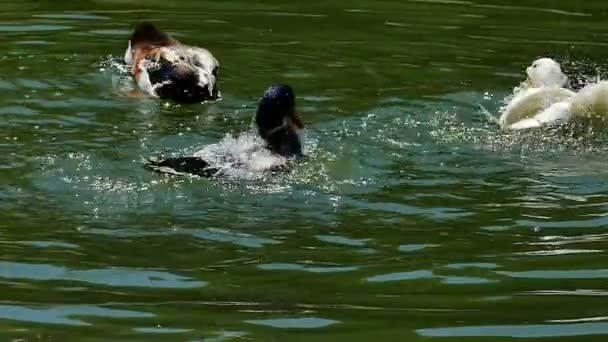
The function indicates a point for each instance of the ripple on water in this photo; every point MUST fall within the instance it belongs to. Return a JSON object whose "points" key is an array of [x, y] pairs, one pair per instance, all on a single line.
{"points": [[33, 28], [558, 274], [61, 314], [436, 213], [6, 85], [225, 336], [306, 268], [72, 16], [295, 323], [427, 274], [48, 244], [464, 265], [162, 330], [343, 240], [34, 42], [414, 247], [32, 84], [210, 234], [17, 110], [115, 277], [519, 331], [461, 280], [400, 276], [589, 223], [558, 240], [241, 239], [554, 252], [110, 32]]}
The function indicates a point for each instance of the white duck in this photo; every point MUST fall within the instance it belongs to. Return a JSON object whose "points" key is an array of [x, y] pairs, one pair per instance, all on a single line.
{"points": [[540, 100]]}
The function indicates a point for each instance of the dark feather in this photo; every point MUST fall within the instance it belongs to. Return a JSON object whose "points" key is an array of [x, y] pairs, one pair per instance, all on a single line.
{"points": [[148, 34], [191, 165], [178, 82]]}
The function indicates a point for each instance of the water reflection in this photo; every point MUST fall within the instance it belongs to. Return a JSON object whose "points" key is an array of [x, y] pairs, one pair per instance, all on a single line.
{"points": [[414, 247], [72, 16], [47, 244], [426, 274], [33, 28], [62, 314], [162, 330], [211, 234], [342, 240], [225, 336], [118, 277], [306, 268], [558, 274], [458, 280], [399, 276], [295, 323], [519, 331], [410, 207], [241, 239], [465, 265]]}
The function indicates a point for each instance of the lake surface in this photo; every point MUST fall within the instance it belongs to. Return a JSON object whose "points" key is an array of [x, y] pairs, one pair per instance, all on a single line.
{"points": [[413, 219]]}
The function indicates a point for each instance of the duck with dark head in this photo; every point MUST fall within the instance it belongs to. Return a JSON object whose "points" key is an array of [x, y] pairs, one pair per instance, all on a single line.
{"points": [[165, 68], [278, 124]]}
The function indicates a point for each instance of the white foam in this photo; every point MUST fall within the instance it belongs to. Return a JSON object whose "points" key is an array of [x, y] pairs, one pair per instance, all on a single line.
{"points": [[591, 101], [244, 156]]}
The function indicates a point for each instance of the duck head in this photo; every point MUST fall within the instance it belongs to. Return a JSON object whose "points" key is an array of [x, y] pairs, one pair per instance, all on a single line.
{"points": [[278, 123], [146, 37], [545, 72]]}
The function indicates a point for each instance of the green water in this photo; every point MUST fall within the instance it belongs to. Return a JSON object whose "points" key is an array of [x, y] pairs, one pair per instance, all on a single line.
{"points": [[413, 219]]}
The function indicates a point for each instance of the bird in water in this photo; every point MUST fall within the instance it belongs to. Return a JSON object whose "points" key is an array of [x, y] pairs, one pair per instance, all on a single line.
{"points": [[165, 68], [278, 127], [540, 100]]}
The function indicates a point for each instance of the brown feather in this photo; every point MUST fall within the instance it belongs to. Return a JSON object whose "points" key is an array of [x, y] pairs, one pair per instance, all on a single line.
{"points": [[146, 34], [296, 119]]}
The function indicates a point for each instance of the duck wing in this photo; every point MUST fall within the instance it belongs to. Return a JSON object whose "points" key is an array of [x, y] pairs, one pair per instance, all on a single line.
{"points": [[182, 165]]}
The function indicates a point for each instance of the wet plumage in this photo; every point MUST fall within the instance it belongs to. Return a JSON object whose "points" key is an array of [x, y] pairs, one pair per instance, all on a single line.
{"points": [[165, 68]]}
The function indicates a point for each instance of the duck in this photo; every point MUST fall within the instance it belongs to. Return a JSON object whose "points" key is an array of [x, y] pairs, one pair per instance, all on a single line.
{"points": [[278, 126], [542, 99], [164, 68]]}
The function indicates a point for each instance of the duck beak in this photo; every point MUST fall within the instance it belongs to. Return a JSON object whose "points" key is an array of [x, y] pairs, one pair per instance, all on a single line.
{"points": [[296, 121], [528, 83]]}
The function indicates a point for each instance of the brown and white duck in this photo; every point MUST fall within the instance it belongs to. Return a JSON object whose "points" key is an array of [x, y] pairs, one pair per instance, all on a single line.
{"points": [[165, 68]]}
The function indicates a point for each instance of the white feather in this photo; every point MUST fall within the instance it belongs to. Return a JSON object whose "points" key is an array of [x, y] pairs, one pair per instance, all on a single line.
{"points": [[129, 55]]}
